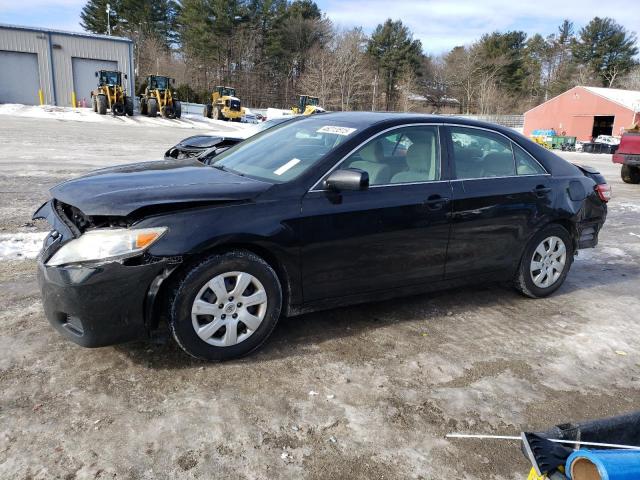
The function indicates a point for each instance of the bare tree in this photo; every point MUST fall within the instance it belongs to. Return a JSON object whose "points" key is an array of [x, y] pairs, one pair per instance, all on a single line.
{"points": [[408, 87], [338, 72], [462, 66], [612, 74], [631, 80]]}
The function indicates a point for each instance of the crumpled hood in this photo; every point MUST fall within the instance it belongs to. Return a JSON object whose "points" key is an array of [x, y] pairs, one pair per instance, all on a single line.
{"points": [[119, 191]]}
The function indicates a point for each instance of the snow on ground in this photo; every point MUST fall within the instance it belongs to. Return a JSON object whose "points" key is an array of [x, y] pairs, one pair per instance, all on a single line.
{"points": [[20, 245], [88, 115], [627, 207]]}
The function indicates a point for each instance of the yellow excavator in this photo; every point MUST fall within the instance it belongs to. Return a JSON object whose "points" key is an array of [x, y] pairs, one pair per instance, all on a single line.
{"points": [[111, 95], [159, 96], [224, 105], [307, 105]]}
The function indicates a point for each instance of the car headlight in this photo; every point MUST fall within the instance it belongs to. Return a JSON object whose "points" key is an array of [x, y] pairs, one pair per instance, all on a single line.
{"points": [[106, 244]]}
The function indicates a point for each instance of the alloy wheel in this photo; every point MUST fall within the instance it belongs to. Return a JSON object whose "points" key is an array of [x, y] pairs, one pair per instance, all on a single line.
{"points": [[229, 308], [548, 262]]}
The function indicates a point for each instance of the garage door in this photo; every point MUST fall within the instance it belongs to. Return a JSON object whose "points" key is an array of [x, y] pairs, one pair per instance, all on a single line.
{"points": [[84, 75], [19, 78]]}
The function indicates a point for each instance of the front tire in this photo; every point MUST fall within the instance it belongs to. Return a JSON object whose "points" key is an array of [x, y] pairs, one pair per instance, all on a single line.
{"points": [[226, 306], [545, 263], [102, 104], [128, 106], [152, 107], [143, 106], [118, 109], [177, 109], [630, 174]]}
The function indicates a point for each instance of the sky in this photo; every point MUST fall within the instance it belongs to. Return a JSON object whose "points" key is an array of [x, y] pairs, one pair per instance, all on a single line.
{"points": [[438, 24]]}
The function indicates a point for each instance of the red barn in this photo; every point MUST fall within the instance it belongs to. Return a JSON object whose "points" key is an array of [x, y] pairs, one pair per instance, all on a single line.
{"points": [[586, 112]]}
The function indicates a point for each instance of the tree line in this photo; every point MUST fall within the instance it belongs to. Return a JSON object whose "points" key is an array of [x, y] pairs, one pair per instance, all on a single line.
{"points": [[273, 50]]}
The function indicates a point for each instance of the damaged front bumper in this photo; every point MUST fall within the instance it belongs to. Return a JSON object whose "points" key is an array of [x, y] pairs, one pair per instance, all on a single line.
{"points": [[95, 304], [98, 305]]}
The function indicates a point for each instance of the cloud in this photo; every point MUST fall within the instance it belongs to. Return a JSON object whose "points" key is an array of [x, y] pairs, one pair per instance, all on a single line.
{"points": [[441, 25]]}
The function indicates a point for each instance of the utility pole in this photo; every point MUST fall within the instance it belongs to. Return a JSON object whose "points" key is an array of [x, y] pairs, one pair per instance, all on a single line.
{"points": [[108, 19], [373, 98]]}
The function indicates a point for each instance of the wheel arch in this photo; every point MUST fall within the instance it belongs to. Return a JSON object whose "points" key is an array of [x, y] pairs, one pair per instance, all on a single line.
{"points": [[569, 225], [284, 274]]}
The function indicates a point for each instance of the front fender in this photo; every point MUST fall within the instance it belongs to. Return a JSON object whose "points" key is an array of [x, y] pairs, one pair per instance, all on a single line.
{"points": [[262, 226]]}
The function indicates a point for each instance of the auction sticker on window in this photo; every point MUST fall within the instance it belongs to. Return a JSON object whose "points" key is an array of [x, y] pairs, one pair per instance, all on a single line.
{"points": [[337, 130]]}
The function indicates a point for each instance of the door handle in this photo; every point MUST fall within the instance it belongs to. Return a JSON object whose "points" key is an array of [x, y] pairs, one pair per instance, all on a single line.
{"points": [[436, 202], [541, 190]]}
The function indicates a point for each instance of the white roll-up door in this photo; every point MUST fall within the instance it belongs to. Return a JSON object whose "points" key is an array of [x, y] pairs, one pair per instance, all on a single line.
{"points": [[19, 78], [84, 76]]}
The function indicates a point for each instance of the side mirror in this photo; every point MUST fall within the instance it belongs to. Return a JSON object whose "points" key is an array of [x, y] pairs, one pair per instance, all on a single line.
{"points": [[173, 81], [347, 179], [96, 74], [125, 76]]}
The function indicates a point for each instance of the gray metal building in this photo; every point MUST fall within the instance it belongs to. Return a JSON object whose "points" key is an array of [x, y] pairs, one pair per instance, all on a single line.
{"points": [[55, 64]]}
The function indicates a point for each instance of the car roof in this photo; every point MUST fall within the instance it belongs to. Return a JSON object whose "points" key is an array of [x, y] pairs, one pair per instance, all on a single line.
{"points": [[366, 119]]}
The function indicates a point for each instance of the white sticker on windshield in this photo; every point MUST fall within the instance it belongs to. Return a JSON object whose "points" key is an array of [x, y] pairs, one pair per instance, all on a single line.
{"points": [[287, 166], [337, 130]]}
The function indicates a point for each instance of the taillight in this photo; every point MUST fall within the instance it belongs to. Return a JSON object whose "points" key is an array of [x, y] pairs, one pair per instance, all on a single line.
{"points": [[604, 192]]}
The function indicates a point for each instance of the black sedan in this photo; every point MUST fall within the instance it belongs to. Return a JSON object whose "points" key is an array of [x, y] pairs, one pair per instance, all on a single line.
{"points": [[321, 211]]}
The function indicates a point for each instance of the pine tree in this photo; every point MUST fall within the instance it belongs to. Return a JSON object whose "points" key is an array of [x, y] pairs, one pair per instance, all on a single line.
{"points": [[606, 48], [394, 51]]}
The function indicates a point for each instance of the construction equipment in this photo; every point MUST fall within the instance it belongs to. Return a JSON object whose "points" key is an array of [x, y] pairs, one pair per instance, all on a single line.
{"points": [[158, 96], [307, 105], [224, 105], [111, 95]]}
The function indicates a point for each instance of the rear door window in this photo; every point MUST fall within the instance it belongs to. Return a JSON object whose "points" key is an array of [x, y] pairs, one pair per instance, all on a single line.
{"points": [[481, 154]]}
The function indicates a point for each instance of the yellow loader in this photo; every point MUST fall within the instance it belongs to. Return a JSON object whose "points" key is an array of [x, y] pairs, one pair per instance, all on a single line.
{"points": [[224, 105], [307, 105], [159, 96], [111, 95]]}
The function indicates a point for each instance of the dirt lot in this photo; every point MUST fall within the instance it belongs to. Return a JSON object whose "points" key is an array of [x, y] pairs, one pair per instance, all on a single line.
{"points": [[365, 392]]}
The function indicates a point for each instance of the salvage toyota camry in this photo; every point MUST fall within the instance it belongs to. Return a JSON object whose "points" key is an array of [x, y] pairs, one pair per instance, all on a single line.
{"points": [[318, 212]]}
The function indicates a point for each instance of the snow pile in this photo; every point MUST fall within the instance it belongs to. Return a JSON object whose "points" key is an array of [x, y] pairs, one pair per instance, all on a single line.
{"points": [[191, 120], [20, 245], [277, 113]]}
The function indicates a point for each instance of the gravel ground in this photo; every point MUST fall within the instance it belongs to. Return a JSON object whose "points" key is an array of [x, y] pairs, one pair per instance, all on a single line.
{"points": [[365, 392]]}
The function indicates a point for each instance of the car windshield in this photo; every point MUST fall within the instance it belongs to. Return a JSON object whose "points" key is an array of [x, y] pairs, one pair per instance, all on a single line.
{"points": [[285, 151]]}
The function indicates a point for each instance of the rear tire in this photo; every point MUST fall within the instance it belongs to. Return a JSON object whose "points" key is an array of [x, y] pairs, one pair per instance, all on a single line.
{"points": [[206, 311], [545, 262], [177, 109], [102, 104], [207, 111], [128, 106], [152, 107], [630, 174]]}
